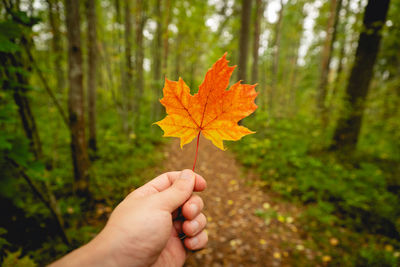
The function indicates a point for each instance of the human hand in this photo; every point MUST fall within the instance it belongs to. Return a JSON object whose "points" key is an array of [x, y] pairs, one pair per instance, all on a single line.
{"points": [[144, 228]]}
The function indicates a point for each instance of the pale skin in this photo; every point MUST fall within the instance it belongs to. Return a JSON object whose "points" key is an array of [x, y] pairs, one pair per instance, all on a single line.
{"points": [[144, 230]]}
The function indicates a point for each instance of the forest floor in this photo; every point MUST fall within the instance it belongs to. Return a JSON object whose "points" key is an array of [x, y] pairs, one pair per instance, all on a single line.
{"points": [[247, 224]]}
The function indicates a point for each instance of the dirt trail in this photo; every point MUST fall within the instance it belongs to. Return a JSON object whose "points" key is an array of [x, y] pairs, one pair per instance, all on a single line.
{"points": [[237, 236]]}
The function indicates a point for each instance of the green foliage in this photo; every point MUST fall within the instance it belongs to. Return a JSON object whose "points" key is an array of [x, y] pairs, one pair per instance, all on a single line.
{"points": [[352, 193], [371, 256], [14, 259], [354, 197], [3, 241]]}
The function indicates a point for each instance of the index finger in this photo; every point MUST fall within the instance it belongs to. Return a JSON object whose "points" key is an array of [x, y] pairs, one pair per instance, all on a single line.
{"points": [[164, 181]]}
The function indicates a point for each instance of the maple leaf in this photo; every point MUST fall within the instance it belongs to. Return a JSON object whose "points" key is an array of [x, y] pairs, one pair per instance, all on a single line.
{"points": [[213, 111]]}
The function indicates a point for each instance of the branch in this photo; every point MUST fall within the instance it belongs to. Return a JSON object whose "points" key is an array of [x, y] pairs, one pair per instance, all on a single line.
{"points": [[41, 196], [46, 85]]}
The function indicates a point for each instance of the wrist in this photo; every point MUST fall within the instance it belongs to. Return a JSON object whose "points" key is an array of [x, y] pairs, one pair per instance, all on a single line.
{"points": [[100, 251], [97, 252]]}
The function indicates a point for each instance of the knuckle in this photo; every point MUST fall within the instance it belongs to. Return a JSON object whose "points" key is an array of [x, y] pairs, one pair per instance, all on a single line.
{"points": [[198, 200]]}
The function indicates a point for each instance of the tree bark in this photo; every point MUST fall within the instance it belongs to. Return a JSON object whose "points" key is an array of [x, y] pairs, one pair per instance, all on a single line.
{"points": [[128, 55], [124, 98], [139, 57], [166, 37], [275, 46], [18, 82], [157, 44], [92, 71], [244, 39], [76, 100], [157, 57], [342, 53], [56, 43], [178, 54], [326, 58], [349, 125], [256, 39]]}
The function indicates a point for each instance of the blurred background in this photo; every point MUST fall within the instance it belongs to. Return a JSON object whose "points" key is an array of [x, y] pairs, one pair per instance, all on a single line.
{"points": [[80, 84]]}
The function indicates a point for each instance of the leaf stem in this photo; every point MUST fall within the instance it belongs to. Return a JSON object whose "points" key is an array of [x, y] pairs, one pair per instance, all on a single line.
{"points": [[197, 149]]}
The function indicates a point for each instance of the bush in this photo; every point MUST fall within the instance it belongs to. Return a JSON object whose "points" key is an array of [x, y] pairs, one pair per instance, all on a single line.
{"points": [[350, 191]]}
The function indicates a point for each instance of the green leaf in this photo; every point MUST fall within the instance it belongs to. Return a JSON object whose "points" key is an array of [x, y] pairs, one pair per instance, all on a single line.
{"points": [[6, 46]]}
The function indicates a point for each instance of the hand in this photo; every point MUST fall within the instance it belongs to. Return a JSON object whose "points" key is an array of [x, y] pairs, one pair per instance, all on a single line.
{"points": [[144, 228]]}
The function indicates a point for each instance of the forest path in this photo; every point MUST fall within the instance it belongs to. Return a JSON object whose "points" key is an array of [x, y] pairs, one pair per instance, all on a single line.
{"points": [[237, 236]]}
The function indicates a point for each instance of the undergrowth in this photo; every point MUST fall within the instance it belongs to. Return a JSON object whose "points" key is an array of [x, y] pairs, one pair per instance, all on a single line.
{"points": [[354, 198]]}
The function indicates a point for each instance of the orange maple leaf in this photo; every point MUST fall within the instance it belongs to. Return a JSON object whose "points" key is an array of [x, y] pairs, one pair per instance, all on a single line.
{"points": [[213, 111]]}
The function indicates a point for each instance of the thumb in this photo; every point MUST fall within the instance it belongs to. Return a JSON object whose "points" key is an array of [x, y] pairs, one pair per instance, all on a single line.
{"points": [[180, 191]]}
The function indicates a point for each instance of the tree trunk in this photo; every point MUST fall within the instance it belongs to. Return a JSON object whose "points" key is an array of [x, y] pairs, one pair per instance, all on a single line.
{"points": [[139, 57], [92, 71], [123, 99], [342, 52], [275, 46], [244, 39], [157, 43], [178, 53], [76, 100], [56, 43], [128, 56], [326, 58], [256, 40], [157, 56], [18, 82], [349, 125], [166, 37]]}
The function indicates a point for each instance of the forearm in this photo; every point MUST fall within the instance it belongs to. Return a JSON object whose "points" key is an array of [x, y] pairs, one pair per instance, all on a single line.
{"points": [[94, 253]]}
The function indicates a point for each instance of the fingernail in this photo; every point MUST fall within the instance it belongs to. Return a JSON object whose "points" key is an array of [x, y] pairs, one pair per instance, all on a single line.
{"points": [[194, 225], [194, 241], [186, 174], [193, 208]]}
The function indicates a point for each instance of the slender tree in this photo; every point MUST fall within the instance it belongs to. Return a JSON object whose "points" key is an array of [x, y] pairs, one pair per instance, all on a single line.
{"points": [[342, 53], [18, 82], [128, 55], [76, 99], [166, 37], [157, 57], [92, 71], [275, 47], [56, 43], [275, 44], [349, 125], [331, 29], [122, 100], [139, 53], [244, 38], [157, 42], [256, 39]]}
